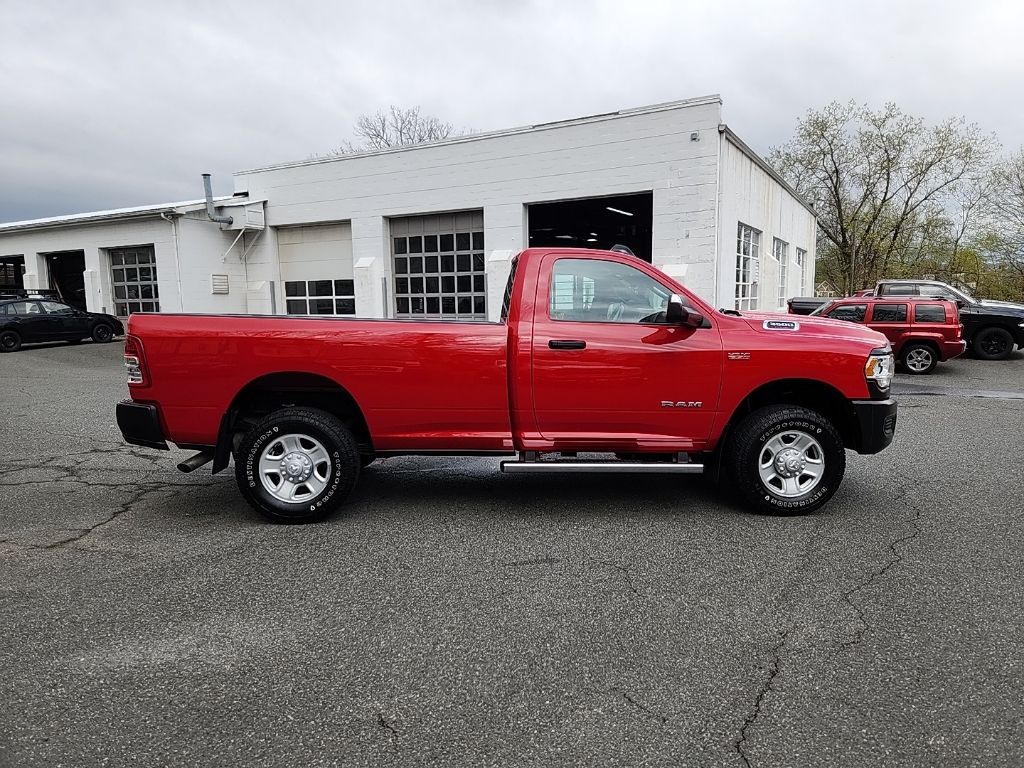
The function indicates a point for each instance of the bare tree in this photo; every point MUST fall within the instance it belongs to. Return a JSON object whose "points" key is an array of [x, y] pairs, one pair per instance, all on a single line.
{"points": [[396, 127], [888, 190]]}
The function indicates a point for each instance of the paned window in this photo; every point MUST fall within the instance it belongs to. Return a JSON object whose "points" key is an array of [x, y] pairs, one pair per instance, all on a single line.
{"points": [[780, 250], [439, 266], [801, 262], [133, 276], [320, 297], [748, 260]]}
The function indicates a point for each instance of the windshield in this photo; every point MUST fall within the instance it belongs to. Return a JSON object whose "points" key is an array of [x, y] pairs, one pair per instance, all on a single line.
{"points": [[946, 292]]}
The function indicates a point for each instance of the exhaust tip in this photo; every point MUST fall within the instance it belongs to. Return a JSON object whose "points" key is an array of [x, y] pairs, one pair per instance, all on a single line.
{"points": [[195, 462]]}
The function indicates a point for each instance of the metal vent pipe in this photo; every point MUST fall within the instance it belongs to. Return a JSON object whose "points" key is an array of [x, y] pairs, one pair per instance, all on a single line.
{"points": [[209, 203]]}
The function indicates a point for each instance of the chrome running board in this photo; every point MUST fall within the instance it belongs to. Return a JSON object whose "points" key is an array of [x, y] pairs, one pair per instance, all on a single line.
{"points": [[609, 467]]}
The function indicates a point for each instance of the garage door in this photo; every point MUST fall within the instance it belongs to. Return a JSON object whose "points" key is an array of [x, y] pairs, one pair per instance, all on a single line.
{"points": [[316, 268], [133, 276], [439, 266]]}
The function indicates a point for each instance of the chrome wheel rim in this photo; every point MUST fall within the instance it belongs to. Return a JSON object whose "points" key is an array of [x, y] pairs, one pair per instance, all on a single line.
{"points": [[791, 464], [919, 359], [295, 468]]}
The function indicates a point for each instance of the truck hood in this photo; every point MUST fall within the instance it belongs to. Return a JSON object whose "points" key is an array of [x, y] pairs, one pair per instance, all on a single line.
{"points": [[773, 323], [1016, 308]]}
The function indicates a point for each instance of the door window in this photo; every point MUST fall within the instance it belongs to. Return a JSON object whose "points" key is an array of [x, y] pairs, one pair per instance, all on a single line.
{"points": [[53, 308], [853, 313], [25, 308], [889, 313], [594, 291]]}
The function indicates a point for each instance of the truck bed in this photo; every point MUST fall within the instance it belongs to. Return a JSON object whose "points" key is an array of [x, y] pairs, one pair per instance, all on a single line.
{"points": [[422, 385]]}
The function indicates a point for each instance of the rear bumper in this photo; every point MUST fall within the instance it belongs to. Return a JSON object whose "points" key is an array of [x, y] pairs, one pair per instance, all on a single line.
{"points": [[951, 349], [140, 425], [877, 420]]}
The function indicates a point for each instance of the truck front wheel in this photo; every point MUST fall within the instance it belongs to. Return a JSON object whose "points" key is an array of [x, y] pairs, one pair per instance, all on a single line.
{"points": [[297, 465], [785, 460]]}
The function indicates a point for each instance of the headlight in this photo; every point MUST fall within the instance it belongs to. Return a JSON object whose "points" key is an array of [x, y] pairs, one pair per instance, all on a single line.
{"points": [[879, 368]]}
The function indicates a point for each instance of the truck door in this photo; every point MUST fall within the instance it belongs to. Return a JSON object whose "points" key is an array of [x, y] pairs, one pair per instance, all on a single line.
{"points": [[606, 366]]}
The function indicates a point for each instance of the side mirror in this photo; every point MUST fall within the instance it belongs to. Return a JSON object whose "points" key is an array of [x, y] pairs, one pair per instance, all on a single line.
{"points": [[960, 303], [677, 313]]}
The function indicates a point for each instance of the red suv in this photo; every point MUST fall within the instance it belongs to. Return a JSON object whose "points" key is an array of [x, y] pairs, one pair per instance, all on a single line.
{"points": [[923, 332]]}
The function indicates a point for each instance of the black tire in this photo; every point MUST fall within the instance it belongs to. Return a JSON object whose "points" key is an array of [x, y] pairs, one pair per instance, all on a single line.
{"points": [[749, 446], [10, 341], [102, 333], [919, 359], [992, 343], [338, 478]]}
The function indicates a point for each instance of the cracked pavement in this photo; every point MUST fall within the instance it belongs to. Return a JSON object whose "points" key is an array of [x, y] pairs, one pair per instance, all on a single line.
{"points": [[454, 616]]}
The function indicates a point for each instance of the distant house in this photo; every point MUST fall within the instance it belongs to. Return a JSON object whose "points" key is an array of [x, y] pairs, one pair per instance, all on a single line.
{"points": [[826, 290]]}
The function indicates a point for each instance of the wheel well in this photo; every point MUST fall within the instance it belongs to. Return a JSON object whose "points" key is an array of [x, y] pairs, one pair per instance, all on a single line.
{"points": [[930, 343], [989, 326], [280, 390], [806, 393]]}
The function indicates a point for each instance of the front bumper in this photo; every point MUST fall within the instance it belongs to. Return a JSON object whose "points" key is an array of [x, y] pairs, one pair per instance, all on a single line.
{"points": [[877, 421], [140, 425]]}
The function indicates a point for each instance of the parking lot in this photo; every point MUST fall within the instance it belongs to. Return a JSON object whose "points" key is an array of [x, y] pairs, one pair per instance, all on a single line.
{"points": [[453, 615]]}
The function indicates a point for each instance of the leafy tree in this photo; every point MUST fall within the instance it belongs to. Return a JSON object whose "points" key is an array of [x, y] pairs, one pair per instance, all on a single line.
{"points": [[1005, 209], [890, 192]]}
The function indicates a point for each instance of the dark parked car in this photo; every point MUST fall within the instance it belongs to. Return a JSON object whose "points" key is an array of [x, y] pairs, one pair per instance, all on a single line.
{"points": [[27, 321]]}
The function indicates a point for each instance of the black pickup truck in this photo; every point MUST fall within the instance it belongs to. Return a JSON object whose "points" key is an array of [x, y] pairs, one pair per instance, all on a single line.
{"points": [[991, 328]]}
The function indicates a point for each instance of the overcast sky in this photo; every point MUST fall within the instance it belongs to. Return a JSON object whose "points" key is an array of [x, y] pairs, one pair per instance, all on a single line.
{"points": [[110, 104]]}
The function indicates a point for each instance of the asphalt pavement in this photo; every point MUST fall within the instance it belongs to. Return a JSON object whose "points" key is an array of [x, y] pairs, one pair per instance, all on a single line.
{"points": [[451, 615]]}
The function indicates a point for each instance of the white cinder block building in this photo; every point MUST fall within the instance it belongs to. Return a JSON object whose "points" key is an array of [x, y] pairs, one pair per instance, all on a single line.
{"points": [[429, 231]]}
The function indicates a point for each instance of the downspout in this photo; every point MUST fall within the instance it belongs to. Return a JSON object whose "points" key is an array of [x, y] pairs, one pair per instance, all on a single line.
{"points": [[177, 263], [210, 212], [718, 220]]}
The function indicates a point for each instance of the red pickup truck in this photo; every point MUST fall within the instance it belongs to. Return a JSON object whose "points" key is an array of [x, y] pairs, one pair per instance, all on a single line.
{"points": [[600, 363]]}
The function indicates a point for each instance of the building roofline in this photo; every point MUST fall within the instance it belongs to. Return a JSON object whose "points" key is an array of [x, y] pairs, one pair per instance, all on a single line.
{"points": [[649, 109], [114, 214], [737, 142]]}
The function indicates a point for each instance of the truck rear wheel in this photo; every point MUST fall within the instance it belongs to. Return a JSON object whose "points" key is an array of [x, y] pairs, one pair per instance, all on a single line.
{"points": [[919, 359], [785, 460], [297, 465]]}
